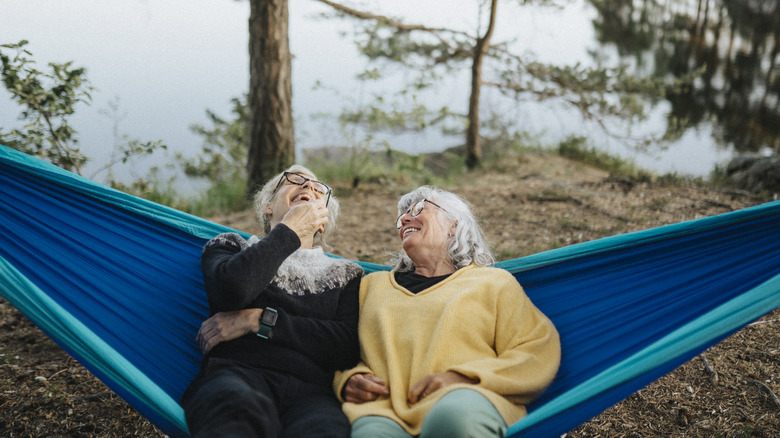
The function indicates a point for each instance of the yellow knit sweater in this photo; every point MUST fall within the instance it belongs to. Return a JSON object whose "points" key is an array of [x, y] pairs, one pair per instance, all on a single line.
{"points": [[477, 322]]}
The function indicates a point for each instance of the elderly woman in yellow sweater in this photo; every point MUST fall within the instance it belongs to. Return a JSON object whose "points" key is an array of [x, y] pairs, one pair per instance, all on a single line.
{"points": [[450, 346]]}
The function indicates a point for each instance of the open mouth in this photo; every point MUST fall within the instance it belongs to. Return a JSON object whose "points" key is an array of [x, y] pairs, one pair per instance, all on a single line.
{"points": [[303, 196], [408, 231]]}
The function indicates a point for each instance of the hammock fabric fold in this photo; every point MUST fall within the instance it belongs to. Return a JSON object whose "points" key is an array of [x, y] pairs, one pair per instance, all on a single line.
{"points": [[115, 280]]}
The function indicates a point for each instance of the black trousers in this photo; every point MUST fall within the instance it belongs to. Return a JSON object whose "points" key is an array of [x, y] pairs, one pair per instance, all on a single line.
{"points": [[230, 399]]}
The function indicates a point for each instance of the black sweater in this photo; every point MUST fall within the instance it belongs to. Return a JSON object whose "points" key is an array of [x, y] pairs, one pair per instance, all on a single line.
{"points": [[315, 334]]}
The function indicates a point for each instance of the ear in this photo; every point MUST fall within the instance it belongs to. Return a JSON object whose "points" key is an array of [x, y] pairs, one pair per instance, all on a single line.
{"points": [[267, 210], [453, 225]]}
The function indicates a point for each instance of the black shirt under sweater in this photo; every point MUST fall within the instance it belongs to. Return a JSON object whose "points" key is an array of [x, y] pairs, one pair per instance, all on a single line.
{"points": [[315, 334], [416, 283]]}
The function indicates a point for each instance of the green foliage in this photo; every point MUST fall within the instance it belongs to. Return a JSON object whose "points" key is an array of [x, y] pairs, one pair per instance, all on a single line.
{"points": [[153, 188], [222, 162], [225, 146], [48, 99], [228, 195], [377, 117], [386, 40], [575, 148], [395, 169], [505, 145], [124, 148], [719, 176]]}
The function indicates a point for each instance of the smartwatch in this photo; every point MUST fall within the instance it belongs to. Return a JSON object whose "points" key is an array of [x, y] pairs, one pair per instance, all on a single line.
{"points": [[267, 322]]}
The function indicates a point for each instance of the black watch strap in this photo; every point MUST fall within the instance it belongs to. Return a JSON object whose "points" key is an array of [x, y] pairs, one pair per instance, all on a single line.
{"points": [[267, 322]]}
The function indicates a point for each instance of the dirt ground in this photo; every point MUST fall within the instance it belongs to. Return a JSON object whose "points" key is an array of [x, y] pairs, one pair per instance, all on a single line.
{"points": [[543, 202]]}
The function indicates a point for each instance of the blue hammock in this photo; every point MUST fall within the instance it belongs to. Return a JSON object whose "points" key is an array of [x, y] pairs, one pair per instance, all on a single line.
{"points": [[115, 280]]}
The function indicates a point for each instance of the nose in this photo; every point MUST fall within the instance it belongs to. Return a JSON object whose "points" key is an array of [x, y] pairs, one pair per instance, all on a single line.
{"points": [[403, 219]]}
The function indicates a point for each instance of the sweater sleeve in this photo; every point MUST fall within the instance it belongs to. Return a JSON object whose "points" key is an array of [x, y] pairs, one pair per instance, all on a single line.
{"points": [[527, 349], [333, 343], [235, 273], [341, 378]]}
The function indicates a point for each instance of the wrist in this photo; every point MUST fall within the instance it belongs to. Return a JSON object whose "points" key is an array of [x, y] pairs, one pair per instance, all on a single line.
{"points": [[267, 322], [254, 321]]}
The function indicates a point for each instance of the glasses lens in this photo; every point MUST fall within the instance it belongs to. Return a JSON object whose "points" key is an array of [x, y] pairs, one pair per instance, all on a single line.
{"points": [[418, 208], [295, 178], [300, 180], [320, 187]]}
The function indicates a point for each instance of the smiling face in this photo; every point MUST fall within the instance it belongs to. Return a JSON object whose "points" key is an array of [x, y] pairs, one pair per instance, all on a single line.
{"points": [[289, 194], [425, 237]]}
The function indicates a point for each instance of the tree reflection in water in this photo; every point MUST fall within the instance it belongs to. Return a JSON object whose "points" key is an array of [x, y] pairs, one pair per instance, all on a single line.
{"points": [[734, 43]]}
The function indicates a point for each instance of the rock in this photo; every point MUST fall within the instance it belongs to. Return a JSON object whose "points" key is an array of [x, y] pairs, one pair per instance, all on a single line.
{"points": [[755, 173]]}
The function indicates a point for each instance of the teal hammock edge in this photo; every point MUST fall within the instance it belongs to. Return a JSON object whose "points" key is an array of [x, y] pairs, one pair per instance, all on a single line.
{"points": [[171, 217], [635, 238], [67, 330], [709, 327]]}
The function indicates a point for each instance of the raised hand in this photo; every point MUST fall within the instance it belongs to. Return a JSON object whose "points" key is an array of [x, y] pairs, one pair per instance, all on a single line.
{"points": [[307, 218]]}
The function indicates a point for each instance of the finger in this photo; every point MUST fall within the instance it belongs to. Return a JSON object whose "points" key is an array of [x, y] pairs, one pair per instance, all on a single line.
{"points": [[374, 385], [205, 327], [202, 345], [360, 396], [374, 379], [418, 391], [209, 343], [362, 388]]}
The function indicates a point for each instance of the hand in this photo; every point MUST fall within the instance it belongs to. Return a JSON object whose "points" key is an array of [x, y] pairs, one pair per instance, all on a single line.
{"points": [[225, 326], [307, 218], [364, 387], [433, 382]]}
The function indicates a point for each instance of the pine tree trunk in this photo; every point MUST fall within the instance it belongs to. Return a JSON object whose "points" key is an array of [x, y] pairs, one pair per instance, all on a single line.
{"points": [[271, 134], [473, 145]]}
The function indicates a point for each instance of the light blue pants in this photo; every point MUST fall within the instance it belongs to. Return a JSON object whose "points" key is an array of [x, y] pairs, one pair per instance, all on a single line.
{"points": [[461, 413]]}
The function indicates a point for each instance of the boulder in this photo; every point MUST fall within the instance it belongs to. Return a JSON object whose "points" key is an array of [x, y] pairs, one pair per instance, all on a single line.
{"points": [[755, 173]]}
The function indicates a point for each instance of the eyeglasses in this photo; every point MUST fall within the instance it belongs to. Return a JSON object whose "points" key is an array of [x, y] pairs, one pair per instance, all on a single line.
{"points": [[299, 180], [415, 211]]}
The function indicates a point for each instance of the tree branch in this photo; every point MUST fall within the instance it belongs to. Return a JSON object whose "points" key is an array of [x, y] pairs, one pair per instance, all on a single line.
{"points": [[387, 20], [768, 390], [708, 367]]}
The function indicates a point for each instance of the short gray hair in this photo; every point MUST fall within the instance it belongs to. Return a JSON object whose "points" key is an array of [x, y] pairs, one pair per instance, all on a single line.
{"points": [[267, 192], [467, 244]]}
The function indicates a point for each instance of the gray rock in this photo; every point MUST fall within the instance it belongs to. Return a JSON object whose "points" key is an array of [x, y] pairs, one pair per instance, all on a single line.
{"points": [[755, 173]]}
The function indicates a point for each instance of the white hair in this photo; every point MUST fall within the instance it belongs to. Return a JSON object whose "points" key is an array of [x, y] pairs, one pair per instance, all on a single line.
{"points": [[266, 195], [467, 245]]}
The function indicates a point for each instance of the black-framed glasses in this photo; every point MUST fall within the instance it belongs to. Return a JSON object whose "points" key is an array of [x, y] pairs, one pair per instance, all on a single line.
{"points": [[415, 211], [299, 180]]}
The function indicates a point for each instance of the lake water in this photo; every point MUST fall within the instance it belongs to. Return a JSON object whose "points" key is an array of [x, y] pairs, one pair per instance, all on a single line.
{"points": [[164, 63]]}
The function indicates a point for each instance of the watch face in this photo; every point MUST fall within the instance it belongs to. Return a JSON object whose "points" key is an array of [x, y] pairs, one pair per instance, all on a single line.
{"points": [[269, 317]]}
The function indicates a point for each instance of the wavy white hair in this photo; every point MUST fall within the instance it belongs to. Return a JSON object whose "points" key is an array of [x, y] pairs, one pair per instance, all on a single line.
{"points": [[267, 192], [467, 244]]}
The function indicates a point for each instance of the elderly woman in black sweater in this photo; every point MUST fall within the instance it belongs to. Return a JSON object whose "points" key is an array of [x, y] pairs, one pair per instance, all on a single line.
{"points": [[268, 373]]}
